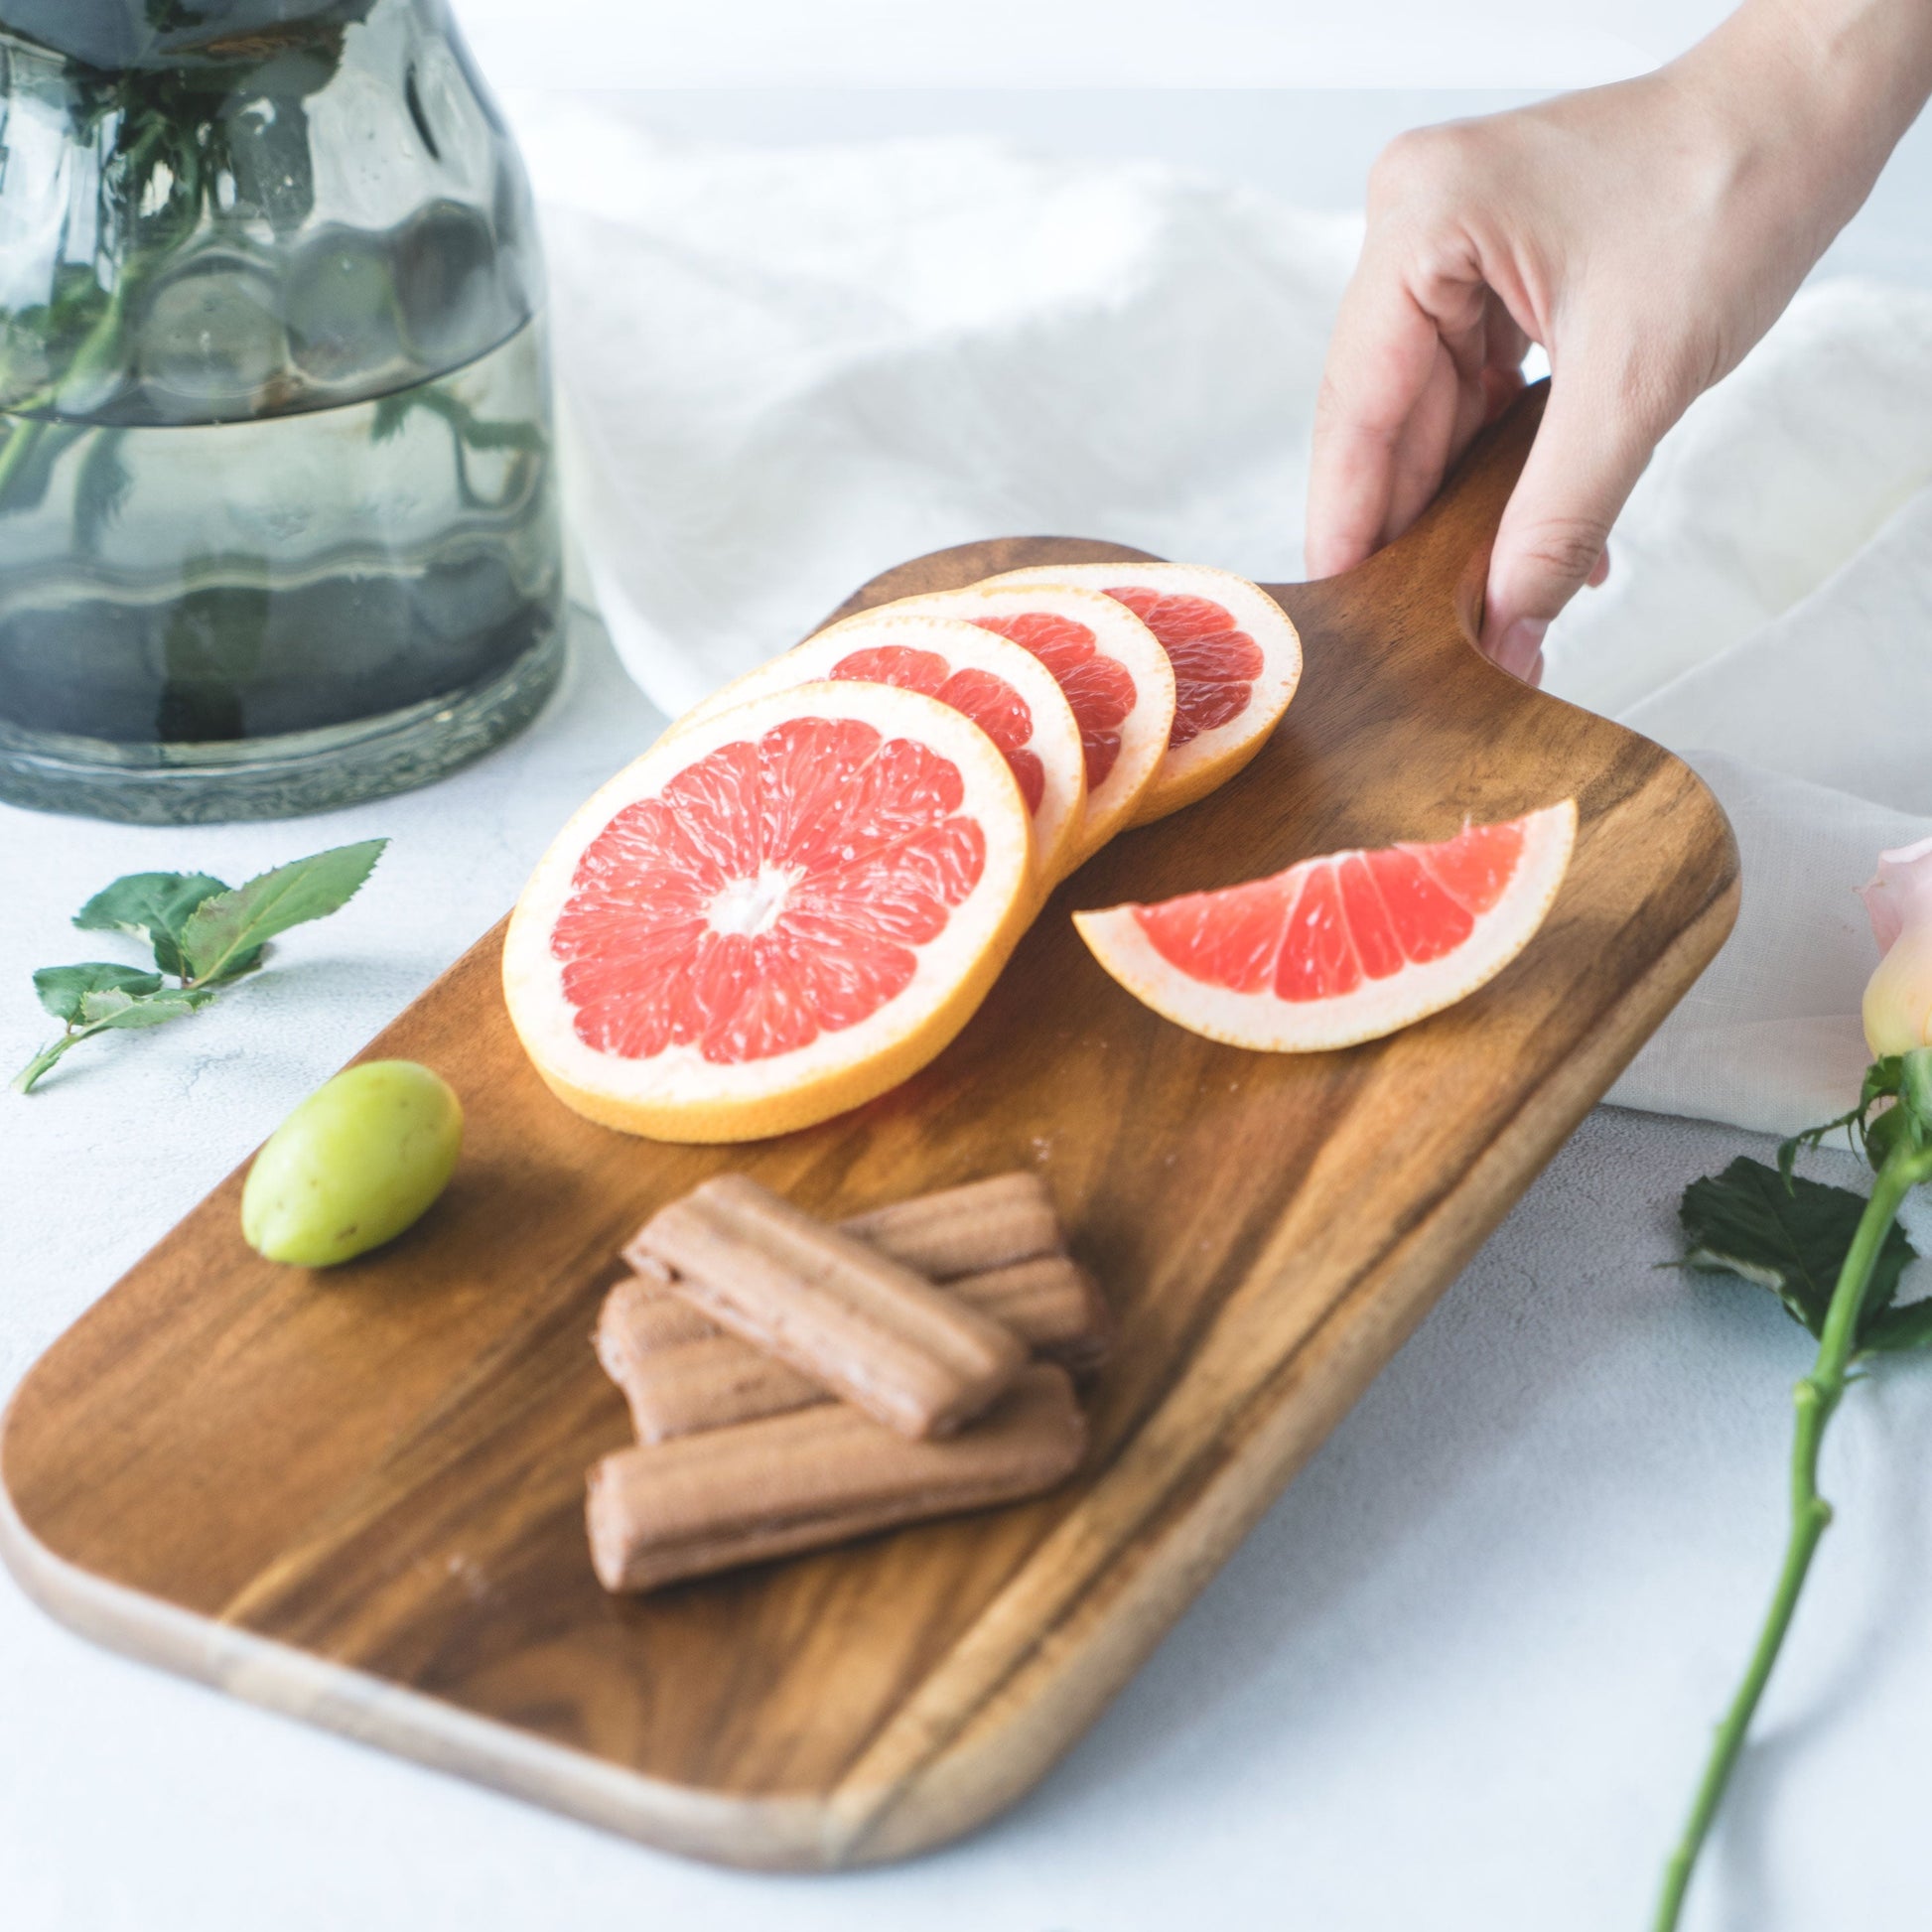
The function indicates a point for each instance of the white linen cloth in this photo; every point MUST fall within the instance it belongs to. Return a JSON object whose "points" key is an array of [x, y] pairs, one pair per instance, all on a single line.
{"points": [[787, 370]]}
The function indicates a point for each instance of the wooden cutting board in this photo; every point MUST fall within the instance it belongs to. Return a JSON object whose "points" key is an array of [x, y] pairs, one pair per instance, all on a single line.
{"points": [[357, 1497]]}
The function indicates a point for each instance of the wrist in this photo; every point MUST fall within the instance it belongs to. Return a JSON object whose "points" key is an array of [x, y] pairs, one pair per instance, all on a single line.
{"points": [[1825, 86]]}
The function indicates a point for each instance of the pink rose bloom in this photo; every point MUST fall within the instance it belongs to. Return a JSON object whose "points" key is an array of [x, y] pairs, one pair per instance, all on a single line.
{"points": [[1898, 997]]}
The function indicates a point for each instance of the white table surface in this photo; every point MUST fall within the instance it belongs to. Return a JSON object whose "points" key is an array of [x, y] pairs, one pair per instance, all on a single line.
{"points": [[1459, 1676]]}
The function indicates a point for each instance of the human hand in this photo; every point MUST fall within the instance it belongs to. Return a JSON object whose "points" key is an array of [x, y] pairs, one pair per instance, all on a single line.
{"points": [[1645, 235]]}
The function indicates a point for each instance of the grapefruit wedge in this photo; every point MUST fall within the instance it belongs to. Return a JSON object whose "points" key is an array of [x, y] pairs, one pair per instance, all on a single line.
{"points": [[1236, 656], [1116, 678], [773, 915], [1006, 691], [1345, 947]]}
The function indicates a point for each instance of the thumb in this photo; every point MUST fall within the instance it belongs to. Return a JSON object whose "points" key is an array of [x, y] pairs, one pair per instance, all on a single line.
{"points": [[1589, 450]]}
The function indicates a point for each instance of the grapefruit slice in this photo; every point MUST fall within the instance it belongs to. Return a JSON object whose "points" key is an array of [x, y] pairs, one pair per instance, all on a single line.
{"points": [[1006, 691], [773, 915], [1115, 674], [1342, 948], [1236, 656]]}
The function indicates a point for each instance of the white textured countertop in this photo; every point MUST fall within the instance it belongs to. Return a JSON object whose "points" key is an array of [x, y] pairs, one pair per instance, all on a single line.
{"points": [[1459, 1676]]}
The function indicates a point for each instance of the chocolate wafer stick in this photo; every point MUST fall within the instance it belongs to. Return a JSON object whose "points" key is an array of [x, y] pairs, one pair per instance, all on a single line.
{"points": [[680, 1372], [814, 1478], [954, 1231], [867, 1329], [1051, 1302]]}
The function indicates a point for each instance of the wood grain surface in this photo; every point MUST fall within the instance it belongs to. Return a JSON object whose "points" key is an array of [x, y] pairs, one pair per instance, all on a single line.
{"points": [[358, 1496]]}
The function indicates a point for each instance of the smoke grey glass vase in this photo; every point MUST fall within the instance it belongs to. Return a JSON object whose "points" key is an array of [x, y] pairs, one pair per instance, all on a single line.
{"points": [[278, 520]]}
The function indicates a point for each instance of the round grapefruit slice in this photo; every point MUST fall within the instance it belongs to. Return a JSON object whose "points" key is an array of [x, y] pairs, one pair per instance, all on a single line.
{"points": [[773, 915], [1342, 948], [1116, 678], [1236, 656], [1006, 691]]}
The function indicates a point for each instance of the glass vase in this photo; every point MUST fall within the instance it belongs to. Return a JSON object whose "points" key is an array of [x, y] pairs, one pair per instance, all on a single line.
{"points": [[278, 519]]}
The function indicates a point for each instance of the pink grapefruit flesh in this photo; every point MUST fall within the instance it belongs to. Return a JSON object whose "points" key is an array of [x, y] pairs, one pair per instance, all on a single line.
{"points": [[1236, 658], [1006, 691], [1116, 678], [773, 915], [1345, 947]]}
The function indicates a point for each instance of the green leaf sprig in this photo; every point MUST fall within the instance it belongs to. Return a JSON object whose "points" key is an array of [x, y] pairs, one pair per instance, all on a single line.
{"points": [[1791, 1235], [203, 933], [1834, 1258]]}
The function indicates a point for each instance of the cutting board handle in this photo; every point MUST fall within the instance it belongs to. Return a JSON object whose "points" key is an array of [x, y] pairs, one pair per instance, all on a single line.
{"points": [[1426, 588], [1427, 585]]}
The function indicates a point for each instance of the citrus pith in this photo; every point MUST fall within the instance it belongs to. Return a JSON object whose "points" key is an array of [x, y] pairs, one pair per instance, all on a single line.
{"points": [[1115, 674], [774, 914], [1344, 947], [1236, 658], [1005, 690]]}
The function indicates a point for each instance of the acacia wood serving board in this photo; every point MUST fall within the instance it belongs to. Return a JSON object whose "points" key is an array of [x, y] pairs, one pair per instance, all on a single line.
{"points": [[357, 1497]]}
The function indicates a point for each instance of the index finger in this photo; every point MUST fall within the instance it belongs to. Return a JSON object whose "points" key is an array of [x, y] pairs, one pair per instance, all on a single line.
{"points": [[1378, 364]]}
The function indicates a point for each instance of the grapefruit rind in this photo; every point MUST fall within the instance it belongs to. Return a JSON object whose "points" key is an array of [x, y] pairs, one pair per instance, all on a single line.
{"points": [[1113, 805], [1055, 740], [1267, 1022], [1190, 771], [677, 1095]]}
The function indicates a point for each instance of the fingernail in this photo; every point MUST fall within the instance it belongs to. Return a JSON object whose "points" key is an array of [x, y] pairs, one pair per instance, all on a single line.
{"points": [[1516, 648]]}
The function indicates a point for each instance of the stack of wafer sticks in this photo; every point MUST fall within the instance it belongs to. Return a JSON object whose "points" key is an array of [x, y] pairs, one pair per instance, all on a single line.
{"points": [[794, 1384]]}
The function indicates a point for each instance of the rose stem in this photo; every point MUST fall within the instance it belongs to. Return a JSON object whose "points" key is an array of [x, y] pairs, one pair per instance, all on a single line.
{"points": [[1816, 1397]]}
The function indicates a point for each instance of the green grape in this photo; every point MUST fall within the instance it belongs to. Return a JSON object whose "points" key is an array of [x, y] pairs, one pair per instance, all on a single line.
{"points": [[361, 1160]]}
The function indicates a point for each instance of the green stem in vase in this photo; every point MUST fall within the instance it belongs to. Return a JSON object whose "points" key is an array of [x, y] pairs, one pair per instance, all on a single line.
{"points": [[97, 352], [1817, 1398], [101, 348]]}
